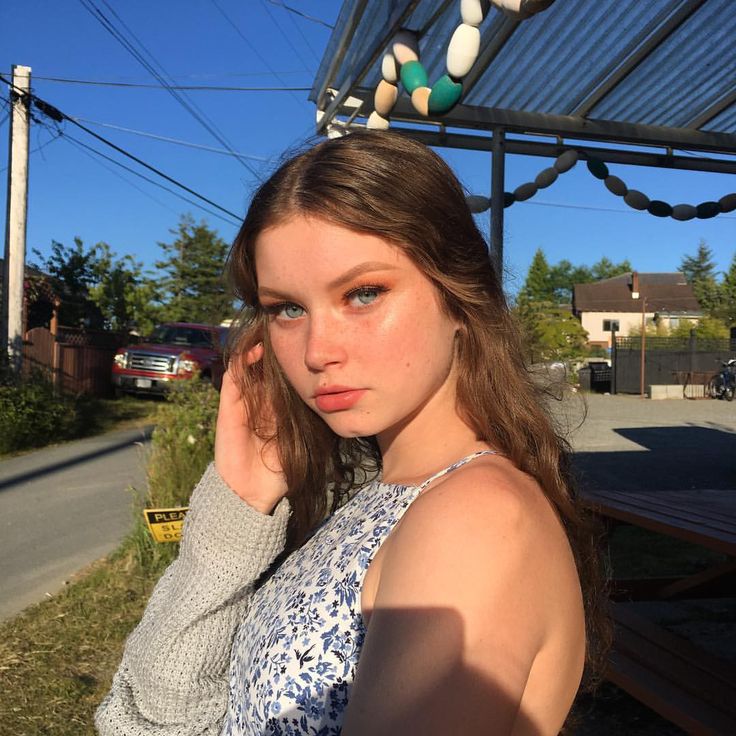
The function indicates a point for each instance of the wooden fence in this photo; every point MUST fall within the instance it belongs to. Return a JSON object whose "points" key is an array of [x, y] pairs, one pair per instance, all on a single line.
{"points": [[78, 361]]}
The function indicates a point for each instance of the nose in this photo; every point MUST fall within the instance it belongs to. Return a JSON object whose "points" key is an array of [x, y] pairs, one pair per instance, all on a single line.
{"points": [[325, 342]]}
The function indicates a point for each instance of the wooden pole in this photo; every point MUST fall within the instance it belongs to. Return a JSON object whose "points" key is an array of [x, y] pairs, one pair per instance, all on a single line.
{"points": [[643, 343], [17, 210]]}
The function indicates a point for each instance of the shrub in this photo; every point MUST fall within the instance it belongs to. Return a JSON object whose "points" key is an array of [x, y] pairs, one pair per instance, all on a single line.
{"points": [[31, 414], [183, 445]]}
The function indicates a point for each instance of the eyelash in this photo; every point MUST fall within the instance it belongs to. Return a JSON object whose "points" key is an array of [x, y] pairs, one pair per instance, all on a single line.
{"points": [[273, 310]]}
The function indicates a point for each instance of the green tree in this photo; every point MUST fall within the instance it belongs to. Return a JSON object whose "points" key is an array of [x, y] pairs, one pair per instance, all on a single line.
{"points": [[193, 285], [538, 286], [607, 269], [127, 297], [73, 269], [706, 328], [727, 303], [564, 276], [700, 272], [551, 331], [99, 290]]}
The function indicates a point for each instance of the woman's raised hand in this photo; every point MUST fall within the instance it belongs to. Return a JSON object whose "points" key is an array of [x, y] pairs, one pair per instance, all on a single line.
{"points": [[249, 466]]}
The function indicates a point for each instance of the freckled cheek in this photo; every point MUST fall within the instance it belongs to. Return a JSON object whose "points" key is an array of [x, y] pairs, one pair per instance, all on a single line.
{"points": [[402, 339], [288, 348]]}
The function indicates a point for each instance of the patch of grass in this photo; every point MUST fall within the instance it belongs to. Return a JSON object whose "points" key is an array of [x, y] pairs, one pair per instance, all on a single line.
{"points": [[640, 553], [57, 658], [105, 415]]}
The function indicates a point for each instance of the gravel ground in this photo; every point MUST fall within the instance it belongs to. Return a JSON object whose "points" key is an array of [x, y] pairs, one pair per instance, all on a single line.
{"points": [[626, 442]]}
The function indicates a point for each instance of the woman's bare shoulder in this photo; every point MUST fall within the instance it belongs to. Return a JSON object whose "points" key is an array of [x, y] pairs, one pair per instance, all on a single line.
{"points": [[484, 531]]}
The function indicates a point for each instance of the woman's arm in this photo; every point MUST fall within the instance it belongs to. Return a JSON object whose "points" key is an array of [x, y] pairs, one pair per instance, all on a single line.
{"points": [[462, 610], [173, 676]]}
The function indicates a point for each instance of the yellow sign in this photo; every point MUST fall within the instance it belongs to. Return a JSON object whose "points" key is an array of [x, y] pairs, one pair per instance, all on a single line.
{"points": [[165, 524]]}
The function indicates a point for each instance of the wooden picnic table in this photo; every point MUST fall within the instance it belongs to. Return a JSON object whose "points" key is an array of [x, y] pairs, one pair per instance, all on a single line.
{"points": [[673, 676], [702, 516]]}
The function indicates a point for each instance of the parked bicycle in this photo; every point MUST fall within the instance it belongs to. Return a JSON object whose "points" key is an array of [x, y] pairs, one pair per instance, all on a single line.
{"points": [[723, 384]]}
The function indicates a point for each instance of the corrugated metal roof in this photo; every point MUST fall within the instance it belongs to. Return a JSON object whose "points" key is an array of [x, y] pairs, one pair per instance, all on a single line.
{"points": [[669, 63]]}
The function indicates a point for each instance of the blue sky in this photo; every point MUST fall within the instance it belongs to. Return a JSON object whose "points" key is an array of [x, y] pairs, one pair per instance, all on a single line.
{"points": [[72, 193]]}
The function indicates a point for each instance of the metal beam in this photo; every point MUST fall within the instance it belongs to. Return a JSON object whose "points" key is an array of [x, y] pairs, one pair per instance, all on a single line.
{"points": [[364, 65], [639, 55], [715, 109], [610, 131], [342, 47], [552, 150], [498, 166]]}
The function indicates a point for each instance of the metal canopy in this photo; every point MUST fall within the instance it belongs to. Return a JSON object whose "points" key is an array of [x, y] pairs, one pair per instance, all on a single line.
{"points": [[656, 73]]}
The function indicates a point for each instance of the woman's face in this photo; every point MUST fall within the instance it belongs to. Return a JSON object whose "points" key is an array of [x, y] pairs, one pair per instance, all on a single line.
{"points": [[357, 328]]}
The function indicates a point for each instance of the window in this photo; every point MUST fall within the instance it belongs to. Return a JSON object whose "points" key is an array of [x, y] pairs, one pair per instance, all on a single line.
{"points": [[610, 325]]}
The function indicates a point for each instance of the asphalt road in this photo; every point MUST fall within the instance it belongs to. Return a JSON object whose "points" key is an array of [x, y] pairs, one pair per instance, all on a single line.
{"points": [[62, 508]]}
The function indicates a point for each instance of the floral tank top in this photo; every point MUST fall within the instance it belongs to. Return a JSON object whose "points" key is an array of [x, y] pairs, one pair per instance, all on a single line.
{"points": [[295, 655]]}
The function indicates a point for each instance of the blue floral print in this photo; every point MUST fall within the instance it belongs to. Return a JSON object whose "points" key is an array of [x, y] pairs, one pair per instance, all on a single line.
{"points": [[295, 654]]}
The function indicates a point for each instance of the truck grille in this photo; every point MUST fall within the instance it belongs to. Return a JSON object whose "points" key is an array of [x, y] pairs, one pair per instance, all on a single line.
{"points": [[148, 362]]}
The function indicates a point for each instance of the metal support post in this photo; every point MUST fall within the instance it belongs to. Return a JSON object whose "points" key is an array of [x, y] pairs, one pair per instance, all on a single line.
{"points": [[498, 165]]}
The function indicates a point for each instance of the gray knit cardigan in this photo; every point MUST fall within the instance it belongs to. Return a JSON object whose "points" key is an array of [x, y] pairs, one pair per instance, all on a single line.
{"points": [[173, 679]]}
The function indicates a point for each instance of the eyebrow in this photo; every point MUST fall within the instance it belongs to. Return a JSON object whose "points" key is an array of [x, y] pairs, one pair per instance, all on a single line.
{"points": [[345, 278]]}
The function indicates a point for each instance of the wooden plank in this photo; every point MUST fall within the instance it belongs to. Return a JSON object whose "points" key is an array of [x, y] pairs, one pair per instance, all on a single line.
{"points": [[672, 676], [708, 518]]}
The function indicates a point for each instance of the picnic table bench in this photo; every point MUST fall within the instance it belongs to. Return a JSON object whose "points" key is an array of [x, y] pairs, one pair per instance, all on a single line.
{"points": [[672, 675]]}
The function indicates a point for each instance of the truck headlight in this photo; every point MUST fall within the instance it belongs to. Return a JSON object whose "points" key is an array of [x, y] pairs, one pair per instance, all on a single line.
{"points": [[120, 359], [187, 364]]}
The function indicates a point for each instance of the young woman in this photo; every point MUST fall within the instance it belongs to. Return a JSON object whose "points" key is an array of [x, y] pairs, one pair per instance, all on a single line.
{"points": [[377, 374]]}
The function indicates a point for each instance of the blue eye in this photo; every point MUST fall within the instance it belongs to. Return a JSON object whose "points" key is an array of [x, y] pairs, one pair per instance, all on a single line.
{"points": [[365, 294], [291, 311], [284, 310]]}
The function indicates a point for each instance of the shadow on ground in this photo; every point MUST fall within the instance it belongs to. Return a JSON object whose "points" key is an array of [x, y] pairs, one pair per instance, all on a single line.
{"points": [[671, 458]]}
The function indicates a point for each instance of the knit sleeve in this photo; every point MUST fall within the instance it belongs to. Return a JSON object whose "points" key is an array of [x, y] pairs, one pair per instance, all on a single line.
{"points": [[173, 676]]}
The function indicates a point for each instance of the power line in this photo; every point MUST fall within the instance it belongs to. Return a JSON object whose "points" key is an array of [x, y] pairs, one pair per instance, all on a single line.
{"points": [[58, 116], [296, 25], [161, 75], [37, 148], [283, 5], [283, 35], [83, 150], [251, 46], [189, 87], [601, 209], [177, 141], [79, 143]]}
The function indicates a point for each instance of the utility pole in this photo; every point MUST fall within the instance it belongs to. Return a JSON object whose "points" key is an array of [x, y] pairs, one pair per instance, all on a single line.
{"points": [[15, 223]]}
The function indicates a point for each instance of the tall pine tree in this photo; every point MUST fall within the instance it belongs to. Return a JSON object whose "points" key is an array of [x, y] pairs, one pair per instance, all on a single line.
{"points": [[538, 286], [194, 286], [700, 272]]}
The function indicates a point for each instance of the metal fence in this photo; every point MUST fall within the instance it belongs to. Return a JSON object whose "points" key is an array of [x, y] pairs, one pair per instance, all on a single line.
{"points": [[667, 361]]}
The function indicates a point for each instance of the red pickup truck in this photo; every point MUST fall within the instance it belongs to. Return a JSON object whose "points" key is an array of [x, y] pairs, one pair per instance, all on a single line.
{"points": [[174, 351]]}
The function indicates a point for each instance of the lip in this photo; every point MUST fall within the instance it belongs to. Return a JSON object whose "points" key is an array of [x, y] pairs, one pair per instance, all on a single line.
{"points": [[337, 398]]}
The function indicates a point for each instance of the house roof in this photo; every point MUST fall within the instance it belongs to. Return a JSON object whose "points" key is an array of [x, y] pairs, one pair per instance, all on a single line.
{"points": [[664, 292]]}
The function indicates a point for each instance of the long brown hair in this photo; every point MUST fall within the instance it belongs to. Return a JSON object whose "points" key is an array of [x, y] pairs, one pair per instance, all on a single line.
{"points": [[391, 186]]}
